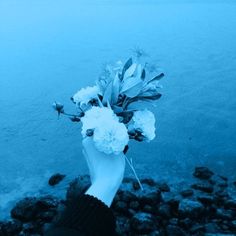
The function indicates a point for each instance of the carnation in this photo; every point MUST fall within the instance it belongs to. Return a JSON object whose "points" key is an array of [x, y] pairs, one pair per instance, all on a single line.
{"points": [[145, 121], [97, 116], [110, 138], [85, 95]]}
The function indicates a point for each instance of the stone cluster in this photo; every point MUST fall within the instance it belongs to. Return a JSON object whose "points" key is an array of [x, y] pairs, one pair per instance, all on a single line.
{"points": [[206, 207]]}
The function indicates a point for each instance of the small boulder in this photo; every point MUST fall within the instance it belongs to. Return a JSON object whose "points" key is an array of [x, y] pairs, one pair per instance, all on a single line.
{"points": [[231, 204], [149, 181], [190, 208], [224, 214], [134, 205], [143, 223], [232, 225], [121, 207], [186, 193], [164, 187], [206, 200], [203, 173], [204, 187], [25, 210], [174, 230], [32, 208], [77, 187], [56, 179], [126, 196], [10, 228], [122, 225], [197, 229], [150, 195], [212, 227], [164, 211]]}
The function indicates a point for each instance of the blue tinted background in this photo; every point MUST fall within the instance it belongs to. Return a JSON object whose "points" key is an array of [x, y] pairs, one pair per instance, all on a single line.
{"points": [[49, 49]]}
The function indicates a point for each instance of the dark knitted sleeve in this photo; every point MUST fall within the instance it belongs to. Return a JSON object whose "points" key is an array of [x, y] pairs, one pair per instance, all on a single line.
{"points": [[86, 215]]}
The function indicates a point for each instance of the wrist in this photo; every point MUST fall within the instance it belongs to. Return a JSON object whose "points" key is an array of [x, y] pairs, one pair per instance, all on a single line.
{"points": [[104, 191]]}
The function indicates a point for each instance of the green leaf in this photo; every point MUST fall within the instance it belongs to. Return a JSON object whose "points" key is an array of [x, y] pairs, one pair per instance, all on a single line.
{"points": [[143, 75], [117, 109], [130, 83], [134, 91], [143, 98], [130, 71], [126, 66], [107, 93], [116, 89], [158, 77]]}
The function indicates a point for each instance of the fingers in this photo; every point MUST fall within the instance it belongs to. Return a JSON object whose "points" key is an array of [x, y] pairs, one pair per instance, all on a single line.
{"points": [[90, 166]]}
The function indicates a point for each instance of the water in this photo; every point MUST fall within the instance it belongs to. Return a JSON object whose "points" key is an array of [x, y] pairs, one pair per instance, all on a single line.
{"points": [[48, 50]]}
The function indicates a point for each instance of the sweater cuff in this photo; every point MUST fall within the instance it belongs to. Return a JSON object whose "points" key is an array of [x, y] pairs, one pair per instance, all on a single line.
{"points": [[89, 214]]}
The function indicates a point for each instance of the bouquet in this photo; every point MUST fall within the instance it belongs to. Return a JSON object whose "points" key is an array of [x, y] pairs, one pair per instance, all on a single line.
{"points": [[110, 111]]}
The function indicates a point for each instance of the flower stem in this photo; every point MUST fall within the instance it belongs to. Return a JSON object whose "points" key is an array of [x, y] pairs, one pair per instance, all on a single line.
{"points": [[132, 168]]}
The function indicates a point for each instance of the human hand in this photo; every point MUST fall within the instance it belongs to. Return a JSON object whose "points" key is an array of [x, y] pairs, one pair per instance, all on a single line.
{"points": [[106, 171]]}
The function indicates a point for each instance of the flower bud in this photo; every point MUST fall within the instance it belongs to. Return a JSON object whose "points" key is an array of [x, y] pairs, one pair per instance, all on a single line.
{"points": [[75, 119], [89, 132], [58, 107]]}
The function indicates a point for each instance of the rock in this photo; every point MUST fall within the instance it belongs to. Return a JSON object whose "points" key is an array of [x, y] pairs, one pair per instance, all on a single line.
{"points": [[148, 208], [221, 196], [47, 203], [47, 216], [204, 187], [149, 196], [174, 230], [174, 205], [164, 211], [143, 223], [77, 187], [230, 204], [155, 233], [212, 228], [191, 209], [131, 212], [186, 193], [10, 228], [232, 225], [121, 207], [206, 200], [174, 221], [186, 223], [164, 187], [55, 179], [25, 210], [219, 181], [32, 228], [149, 181], [126, 196], [203, 173], [224, 214], [33, 208], [134, 205], [122, 226], [197, 229]]}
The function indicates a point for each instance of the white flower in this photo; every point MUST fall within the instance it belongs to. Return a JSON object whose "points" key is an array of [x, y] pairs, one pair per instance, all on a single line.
{"points": [[110, 136], [95, 117], [145, 120], [84, 95]]}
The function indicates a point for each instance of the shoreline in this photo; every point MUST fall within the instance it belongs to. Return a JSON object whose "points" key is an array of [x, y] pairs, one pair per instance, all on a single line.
{"points": [[205, 206]]}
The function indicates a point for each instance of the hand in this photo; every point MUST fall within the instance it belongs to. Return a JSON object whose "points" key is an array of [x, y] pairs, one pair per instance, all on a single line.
{"points": [[106, 171]]}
